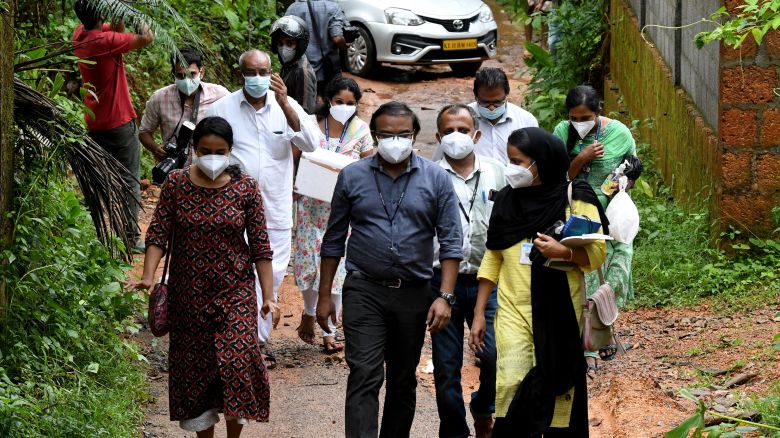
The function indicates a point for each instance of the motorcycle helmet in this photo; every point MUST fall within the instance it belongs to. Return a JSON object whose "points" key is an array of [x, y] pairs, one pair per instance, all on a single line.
{"points": [[291, 26]]}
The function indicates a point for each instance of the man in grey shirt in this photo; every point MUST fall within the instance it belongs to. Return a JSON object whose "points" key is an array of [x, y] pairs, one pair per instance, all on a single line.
{"points": [[327, 36], [395, 202]]}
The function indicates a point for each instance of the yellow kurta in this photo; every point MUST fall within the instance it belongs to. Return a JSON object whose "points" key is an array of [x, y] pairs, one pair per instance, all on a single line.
{"points": [[514, 333]]}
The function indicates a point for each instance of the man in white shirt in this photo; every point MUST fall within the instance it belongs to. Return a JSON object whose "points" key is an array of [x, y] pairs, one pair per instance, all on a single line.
{"points": [[264, 121], [473, 177], [496, 115]]}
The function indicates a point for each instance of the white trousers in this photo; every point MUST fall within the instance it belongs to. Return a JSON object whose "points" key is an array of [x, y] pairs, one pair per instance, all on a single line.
{"points": [[310, 297], [280, 240]]}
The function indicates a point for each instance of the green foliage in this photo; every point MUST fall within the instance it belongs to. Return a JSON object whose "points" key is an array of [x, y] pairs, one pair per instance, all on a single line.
{"points": [[675, 262], [755, 18], [65, 367], [576, 59], [694, 425]]}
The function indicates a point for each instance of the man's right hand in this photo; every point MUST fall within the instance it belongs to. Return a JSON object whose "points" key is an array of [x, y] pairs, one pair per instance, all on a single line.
{"points": [[158, 152], [326, 308]]}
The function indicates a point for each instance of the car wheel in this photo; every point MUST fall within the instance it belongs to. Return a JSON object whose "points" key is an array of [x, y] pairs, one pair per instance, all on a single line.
{"points": [[360, 57], [465, 68]]}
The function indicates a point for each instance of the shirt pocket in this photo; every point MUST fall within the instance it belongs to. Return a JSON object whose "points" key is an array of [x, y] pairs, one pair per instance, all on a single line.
{"points": [[279, 146]]}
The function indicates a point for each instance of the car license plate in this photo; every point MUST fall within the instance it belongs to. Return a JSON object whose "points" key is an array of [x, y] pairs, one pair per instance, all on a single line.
{"points": [[460, 44]]}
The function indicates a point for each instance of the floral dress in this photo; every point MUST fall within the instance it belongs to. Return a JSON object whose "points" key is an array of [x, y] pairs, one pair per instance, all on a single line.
{"points": [[312, 214], [618, 142], [214, 354]]}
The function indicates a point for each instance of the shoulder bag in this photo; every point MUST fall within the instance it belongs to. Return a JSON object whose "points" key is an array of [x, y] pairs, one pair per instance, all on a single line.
{"points": [[158, 299]]}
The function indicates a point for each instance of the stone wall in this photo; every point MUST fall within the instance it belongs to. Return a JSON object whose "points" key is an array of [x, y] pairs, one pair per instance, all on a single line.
{"points": [[750, 133], [716, 125]]}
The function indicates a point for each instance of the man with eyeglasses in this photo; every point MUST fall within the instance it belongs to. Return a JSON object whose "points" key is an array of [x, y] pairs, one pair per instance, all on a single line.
{"points": [[188, 98], [497, 116], [265, 121], [395, 203]]}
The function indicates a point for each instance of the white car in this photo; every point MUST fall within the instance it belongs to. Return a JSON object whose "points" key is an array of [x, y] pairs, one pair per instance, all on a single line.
{"points": [[461, 33]]}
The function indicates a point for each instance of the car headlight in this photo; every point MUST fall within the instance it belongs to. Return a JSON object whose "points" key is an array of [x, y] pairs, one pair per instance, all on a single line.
{"points": [[402, 17], [485, 14]]}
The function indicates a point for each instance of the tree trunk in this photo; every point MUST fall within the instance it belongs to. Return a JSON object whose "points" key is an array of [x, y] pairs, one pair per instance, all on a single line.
{"points": [[7, 133]]}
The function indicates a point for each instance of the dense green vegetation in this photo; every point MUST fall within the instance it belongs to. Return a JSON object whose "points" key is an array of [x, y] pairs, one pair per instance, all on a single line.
{"points": [[67, 364]]}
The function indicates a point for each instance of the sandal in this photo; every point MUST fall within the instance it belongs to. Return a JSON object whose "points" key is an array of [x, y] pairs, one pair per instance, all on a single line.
{"points": [[269, 359], [593, 367], [306, 329], [608, 352], [330, 346]]}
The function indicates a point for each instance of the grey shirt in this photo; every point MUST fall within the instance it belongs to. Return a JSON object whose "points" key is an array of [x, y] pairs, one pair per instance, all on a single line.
{"points": [[403, 247], [330, 23]]}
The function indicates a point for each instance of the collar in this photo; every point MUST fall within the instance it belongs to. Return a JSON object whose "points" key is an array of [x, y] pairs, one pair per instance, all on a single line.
{"points": [[446, 166], [269, 100]]}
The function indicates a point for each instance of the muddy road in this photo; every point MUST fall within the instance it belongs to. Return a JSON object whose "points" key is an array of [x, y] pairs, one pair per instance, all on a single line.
{"points": [[635, 395]]}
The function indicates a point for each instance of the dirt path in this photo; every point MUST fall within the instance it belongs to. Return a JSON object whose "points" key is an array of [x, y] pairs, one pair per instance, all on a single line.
{"points": [[634, 396]]}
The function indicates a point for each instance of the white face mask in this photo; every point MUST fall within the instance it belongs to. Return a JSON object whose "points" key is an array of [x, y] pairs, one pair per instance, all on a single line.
{"points": [[342, 113], [212, 165], [286, 54], [188, 85], [583, 128], [395, 149], [518, 176], [457, 145]]}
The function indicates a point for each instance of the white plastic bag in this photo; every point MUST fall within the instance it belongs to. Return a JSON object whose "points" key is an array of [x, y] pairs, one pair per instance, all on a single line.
{"points": [[623, 216]]}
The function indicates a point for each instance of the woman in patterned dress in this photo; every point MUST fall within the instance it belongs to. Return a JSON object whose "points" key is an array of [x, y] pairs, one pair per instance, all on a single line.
{"points": [[343, 132], [597, 145], [214, 357]]}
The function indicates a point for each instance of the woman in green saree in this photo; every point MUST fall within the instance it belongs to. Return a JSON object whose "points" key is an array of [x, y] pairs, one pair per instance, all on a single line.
{"points": [[597, 145]]}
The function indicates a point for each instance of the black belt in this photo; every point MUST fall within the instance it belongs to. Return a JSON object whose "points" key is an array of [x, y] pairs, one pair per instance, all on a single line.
{"points": [[394, 283], [462, 278]]}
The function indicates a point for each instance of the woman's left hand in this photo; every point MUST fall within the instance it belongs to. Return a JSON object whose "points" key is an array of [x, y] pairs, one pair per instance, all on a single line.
{"points": [[551, 248]]}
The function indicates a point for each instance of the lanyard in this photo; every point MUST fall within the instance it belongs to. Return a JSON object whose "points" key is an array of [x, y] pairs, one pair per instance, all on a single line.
{"points": [[382, 198], [327, 134], [585, 171], [466, 214]]}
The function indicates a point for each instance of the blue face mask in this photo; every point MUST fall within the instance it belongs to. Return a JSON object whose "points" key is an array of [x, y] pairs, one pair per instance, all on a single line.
{"points": [[257, 86], [494, 114]]}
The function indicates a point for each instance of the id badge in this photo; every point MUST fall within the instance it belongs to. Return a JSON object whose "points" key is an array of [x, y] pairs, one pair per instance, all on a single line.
{"points": [[525, 253]]}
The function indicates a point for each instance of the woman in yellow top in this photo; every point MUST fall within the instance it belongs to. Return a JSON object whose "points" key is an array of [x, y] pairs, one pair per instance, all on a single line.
{"points": [[540, 369]]}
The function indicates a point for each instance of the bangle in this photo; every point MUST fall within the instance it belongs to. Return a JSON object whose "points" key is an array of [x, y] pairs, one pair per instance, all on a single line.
{"points": [[571, 255]]}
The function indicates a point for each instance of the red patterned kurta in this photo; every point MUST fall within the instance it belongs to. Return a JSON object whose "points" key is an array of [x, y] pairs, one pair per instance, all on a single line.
{"points": [[214, 357]]}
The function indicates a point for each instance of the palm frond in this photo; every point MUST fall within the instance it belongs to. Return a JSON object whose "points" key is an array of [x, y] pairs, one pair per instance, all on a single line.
{"points": [[47, 134]]}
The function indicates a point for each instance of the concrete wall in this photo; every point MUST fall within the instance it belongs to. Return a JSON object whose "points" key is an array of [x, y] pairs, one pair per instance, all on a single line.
{"points": [[699, 67], [696, 70]]}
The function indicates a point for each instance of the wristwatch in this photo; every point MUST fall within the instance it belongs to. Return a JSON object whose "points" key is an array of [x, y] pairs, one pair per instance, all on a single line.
{"points": [[448, 297]]}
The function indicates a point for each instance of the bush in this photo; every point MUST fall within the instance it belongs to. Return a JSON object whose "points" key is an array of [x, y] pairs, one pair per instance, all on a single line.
{"points": [[677, 263], [66, 368], [577, 59]]}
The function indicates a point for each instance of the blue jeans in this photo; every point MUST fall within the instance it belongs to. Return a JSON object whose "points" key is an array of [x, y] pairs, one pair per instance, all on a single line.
{"points": [[448, 360]]}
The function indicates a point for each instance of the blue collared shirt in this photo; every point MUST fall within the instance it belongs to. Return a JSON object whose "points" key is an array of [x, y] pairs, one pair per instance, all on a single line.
{"points": [[401, 248]]}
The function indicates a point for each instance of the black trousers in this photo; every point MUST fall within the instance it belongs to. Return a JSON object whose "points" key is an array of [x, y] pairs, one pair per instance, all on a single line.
{"points": [[383, 327]]}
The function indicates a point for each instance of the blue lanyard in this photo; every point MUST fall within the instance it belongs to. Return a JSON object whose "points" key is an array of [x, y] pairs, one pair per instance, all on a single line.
{"points": [[327, 134]]}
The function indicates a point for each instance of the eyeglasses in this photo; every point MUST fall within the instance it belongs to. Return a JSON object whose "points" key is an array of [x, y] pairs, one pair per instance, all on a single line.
{"points": [[386, 135], [494, 103]]}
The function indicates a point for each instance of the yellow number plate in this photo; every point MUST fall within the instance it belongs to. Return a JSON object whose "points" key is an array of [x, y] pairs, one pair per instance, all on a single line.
{"points": [[460, 44]]}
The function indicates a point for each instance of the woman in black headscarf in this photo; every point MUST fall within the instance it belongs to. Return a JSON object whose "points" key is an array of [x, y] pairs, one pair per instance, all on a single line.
{"points": [[540, 376]]}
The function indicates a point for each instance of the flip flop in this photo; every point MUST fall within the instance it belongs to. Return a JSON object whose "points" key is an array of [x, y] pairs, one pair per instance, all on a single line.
{"points": [[269, 359], [593, 368], [608, 352], [330, 346], [306, 329]]}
